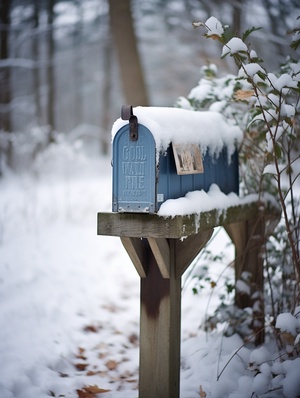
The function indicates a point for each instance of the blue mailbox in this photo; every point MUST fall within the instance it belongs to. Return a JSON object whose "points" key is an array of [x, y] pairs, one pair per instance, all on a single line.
{"points": [[145, 176]]}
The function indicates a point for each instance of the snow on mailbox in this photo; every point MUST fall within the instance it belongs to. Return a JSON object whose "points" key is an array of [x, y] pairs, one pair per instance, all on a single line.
{"points": [[163, 153]]}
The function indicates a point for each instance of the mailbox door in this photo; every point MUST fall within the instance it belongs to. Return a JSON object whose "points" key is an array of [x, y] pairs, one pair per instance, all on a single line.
{"points": [[134, 171]]}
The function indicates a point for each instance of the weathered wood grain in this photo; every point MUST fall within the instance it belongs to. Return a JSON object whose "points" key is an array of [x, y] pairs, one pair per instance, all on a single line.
{"points": [[161, 251], [144, 225], [160, 324]]}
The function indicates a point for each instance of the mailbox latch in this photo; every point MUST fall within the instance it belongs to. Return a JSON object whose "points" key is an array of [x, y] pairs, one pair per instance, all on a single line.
{"points": [[127, 114]]}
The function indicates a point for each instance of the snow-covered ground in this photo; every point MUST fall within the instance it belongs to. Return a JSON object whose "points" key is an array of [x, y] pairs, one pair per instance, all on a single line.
{"points": [[69, 314]]}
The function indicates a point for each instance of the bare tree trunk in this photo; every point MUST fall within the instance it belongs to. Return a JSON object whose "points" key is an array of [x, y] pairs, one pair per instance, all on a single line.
{"points": [[5, 72], [237, 16], [36, 70], [50, 73], [78, 67], [5, 93], [274, 24], [106, 98], [133, 83]]}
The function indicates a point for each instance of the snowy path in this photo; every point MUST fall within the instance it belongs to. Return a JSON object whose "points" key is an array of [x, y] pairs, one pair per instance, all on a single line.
{"points": [[69, 310]]}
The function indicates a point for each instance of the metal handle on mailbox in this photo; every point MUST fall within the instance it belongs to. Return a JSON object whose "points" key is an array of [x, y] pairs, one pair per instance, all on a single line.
{"points": [[127, 114]]}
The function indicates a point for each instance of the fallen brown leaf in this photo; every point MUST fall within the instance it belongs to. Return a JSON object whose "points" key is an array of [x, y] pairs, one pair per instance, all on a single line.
{"points": [[91, 328], [133, 339], [81, 366], [96, 390], [80, 354], [90, 391], [63, 374], [202, 393], [85, 394], [92, 373], [102, 355], [111, 364]]}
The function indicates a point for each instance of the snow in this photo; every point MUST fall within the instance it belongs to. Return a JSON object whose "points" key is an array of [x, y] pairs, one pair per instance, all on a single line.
{"points": [[208, 129], [291, 383], [270, 168], [200, 201], [214, 27], [208, 88], [234, 45], [253, 54], [287, 322], [284, 81], [242, 286], [69, 310], [250, 70]]}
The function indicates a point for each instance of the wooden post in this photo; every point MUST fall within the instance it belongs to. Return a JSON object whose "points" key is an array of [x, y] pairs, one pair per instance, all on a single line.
{"points": [[160, 324], [249, 238], [160, 263]]}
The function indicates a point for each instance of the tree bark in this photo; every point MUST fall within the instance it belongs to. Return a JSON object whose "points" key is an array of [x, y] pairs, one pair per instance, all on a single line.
{"points": [[106, 97], [237, 17], [36, 70], [50, 73], [5, 90], [5, 95], [78, 67], [131, 71]]}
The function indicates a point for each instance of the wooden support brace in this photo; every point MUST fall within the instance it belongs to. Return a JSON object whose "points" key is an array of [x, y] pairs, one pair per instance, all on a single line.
{"points": [[135, 250], [161, 251]]}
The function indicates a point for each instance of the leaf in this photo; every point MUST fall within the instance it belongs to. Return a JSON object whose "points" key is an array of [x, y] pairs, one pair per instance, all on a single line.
{"points": [[91, 391], [111, 364], [96, 390], [91, 328], [228, 34], [198, 24], [278, 151], [244, 94], [214, 37], [85, 394], [61, 374], [80, 354], [248, 32], [133, 339], [92, 373], [81, 366], [295, 44], [202, 393], [261, 75]]}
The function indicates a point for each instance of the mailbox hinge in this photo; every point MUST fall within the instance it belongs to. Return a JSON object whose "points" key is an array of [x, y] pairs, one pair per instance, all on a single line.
{"points": [[127, 114]]}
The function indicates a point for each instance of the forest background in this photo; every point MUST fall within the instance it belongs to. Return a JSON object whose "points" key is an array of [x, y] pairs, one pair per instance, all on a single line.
{"points": [[66, 67]]}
